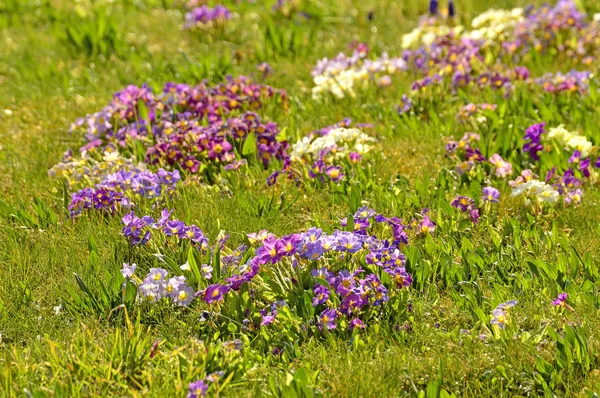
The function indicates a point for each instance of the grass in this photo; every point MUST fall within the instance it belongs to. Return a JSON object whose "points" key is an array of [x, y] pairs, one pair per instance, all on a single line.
{"points": [[48, 79]]}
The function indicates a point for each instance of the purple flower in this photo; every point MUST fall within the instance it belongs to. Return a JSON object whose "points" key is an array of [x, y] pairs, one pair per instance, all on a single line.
{"points": [[521, 73], [356, 323], [128, 270], [356, 157], [349, 242], [561, 301], [215, 293], [499, 318], [174, 228], [334, 173], [426, 226], [405, 105], [490, 194], [463, 203], [327, 319], [320, 294], [575, 157], [197, 389], [474, 214], [574, 196], [271, 251], [268, 319], [533, 138], [351, 304], [584, 167]]}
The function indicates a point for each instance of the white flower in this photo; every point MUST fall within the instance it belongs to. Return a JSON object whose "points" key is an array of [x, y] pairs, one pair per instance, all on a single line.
{"points": [[185, 267], [548, 195], [58, 309], [581, 144], [111, 156], [559, 133]]}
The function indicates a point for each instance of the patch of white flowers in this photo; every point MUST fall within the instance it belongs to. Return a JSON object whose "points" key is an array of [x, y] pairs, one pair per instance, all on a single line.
{"points": [[342, 78], [571, 140], [425, 35], [341, 140], [339, 84], [536, 189], [492, 24]]}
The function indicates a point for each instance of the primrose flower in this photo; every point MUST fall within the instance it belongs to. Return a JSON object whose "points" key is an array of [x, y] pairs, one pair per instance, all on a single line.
{"points": [[499, 318], [354, 157], [426, 226], [508, 304], [151, 291], [490, 194], [128, 270], [503, 168], [197, 389], [327, 319], [356, 323], [575, 196], [206, 271], [259, 236], [463, 203], [561, 300], [533, 135], [173, 285], [320, 294], [157, 275], [183, 295], [215, 293], [500, 314]]}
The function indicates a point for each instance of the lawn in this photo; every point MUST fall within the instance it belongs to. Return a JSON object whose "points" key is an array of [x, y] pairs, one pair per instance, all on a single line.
{"points": [[320, 198]]}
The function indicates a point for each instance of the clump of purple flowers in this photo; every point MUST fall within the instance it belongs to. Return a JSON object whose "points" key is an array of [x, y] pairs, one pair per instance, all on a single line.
{"points": [[119, 189], [199, 388], [533, 140], [466, 205], [205, 17], [187, 126], [138, 230]]}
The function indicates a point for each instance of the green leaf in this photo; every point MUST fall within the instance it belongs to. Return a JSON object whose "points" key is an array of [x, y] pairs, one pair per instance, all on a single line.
{"points": [[249, 147]]}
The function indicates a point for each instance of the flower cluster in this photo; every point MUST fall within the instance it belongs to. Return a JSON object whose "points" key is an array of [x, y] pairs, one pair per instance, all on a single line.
{"points": [[192, 146], [184, 127], [527, 184], [465, 153], [199, 388], [475, 112], [157, 285], [341, 141], [120, 188], [345, 266], [205, 17], [138, 230], [427, 31], [494, 25], [88, 170], [342, 74], [136, 113], [572, 81], [572, 141], [466, 205], [328, 151]]}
